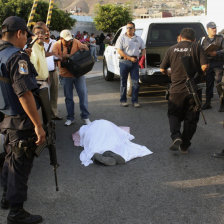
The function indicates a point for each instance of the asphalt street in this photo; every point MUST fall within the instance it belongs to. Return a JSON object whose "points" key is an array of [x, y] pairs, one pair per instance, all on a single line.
{"points": [[162, 188]]}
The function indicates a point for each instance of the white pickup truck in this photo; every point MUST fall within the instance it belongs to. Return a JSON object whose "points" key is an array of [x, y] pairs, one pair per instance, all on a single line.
{"points": [[158, 35]]}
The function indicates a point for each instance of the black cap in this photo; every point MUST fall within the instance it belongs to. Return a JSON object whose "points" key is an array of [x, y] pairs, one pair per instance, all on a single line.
{"points": [[14, 23], [211, 25]]}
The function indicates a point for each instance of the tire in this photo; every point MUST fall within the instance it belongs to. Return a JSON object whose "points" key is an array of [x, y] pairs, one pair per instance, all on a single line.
{"points": [[129, 86], [108, 76]]}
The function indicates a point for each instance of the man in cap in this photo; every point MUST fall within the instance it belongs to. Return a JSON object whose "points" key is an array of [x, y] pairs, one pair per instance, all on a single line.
{"points": [[213, 45], [21, 124], [65, 47]]}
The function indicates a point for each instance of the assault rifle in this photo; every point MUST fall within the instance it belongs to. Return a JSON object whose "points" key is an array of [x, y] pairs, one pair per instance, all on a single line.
{"points": [[190, 83], [49, 127]]}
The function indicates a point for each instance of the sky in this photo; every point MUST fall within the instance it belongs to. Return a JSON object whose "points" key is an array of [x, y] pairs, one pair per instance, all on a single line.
{"points": [[215, 9]]}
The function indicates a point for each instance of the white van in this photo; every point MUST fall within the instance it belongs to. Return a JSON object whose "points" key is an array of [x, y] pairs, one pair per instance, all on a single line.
{"points": [[158, 35]]}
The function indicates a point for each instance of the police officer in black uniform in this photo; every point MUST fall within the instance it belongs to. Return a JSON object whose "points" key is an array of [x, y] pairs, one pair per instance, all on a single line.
{"points": [[181, 105], [216, 61], [21, 126]]}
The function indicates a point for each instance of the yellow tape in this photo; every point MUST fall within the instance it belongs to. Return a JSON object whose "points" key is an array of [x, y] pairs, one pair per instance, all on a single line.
{"points": [[33, 10], [51, 5]]}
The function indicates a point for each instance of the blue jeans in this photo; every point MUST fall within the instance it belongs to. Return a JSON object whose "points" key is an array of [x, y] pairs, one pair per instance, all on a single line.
{"points": [[127, 67], [93, 52], [68, 84]]}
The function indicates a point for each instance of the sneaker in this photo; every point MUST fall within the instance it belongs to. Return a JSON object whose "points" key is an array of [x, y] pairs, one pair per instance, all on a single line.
{"points": [[183, 150], [124, 104], [136, 105], [176, 144], [107, 161], [68, 122], [87, 121], [218, 154], [20, 216], [118, 158]]}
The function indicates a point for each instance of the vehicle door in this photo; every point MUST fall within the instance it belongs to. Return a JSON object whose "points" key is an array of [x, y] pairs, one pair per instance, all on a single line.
{"points": [[111, 55]]}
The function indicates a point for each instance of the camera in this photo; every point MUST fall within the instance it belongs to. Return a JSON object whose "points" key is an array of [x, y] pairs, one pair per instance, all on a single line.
{"points": [[64, 63]]}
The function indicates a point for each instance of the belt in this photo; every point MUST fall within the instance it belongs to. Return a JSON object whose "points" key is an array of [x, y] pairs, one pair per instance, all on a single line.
{"points": [[52, 70], [130, 56], [41, 80]]}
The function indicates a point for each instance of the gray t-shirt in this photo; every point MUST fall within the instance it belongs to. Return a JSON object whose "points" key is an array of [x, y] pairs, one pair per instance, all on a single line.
{"points": [[130, 45]]}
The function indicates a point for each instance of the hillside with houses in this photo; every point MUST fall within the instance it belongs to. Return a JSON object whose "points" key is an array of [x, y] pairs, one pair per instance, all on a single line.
{"points": [[139, 8]]}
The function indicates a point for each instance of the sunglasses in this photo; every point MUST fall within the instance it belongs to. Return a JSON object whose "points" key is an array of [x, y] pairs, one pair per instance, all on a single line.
{"points": [[130, 28], [39, 33]]}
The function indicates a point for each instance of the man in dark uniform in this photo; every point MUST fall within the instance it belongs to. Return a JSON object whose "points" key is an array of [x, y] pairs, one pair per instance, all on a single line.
{"points": [[216, 60], [21, 124], [181, 105]]}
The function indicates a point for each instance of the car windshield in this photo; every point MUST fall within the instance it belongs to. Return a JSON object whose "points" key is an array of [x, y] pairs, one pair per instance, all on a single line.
{"points": [[138, 32], [161, 34]]}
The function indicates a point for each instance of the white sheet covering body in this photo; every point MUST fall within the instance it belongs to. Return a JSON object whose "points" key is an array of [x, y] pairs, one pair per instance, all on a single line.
{"points": [[103, 135]]}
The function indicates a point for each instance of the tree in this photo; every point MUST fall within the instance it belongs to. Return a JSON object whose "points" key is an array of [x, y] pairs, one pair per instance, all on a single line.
{"points": [[22, 8], [109, 18]]}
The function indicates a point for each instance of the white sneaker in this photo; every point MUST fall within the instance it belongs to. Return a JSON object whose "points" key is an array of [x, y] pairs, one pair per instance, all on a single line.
{"points": [[69, 122], [87, 121]]}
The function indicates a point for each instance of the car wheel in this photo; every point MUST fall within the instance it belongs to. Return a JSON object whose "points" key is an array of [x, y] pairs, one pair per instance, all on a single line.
{"points": [[129, 86], [108, 76]]}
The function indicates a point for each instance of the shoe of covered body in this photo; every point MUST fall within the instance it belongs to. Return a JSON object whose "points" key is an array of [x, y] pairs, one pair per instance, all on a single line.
{"points": [[20, 216], [86, 121], [68, 122], [107, 161], [176, 144], [118, 158]]}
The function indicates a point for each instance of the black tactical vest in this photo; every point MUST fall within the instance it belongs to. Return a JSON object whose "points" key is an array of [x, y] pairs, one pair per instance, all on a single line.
{"points": [[9, 102]]}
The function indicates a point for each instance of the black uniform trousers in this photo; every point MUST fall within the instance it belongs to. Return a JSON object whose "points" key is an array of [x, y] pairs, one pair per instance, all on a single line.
{"points": [[214, 73], [181, 108], [17, 166]]}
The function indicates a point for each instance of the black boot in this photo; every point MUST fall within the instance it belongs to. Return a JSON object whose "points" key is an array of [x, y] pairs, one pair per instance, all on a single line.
{"points": [[207, 105], [2, 159], [221, 108], [4, 202], [20, 216]]}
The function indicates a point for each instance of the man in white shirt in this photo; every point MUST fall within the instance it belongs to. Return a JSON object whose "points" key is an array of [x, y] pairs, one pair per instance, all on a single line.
{"points": [[92, 41]]}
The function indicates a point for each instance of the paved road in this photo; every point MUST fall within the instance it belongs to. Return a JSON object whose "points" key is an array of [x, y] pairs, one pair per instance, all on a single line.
{"points": [[162, 188]]}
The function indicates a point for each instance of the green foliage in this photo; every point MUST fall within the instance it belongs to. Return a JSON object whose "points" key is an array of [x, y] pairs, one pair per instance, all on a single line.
{"points": [[109, 18], [60, 20]]}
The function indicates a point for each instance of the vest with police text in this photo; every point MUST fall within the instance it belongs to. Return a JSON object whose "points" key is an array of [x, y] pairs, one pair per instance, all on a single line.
{"points": [[9, 102], [205, 42]]}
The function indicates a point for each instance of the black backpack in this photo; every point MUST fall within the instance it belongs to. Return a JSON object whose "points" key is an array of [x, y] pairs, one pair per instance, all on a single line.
{"points": [[80, 63]]}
